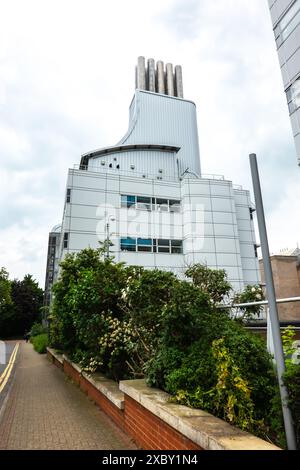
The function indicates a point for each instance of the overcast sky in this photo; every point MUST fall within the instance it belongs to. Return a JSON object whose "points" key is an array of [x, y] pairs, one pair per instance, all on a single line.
{"points": [[67, 79]]}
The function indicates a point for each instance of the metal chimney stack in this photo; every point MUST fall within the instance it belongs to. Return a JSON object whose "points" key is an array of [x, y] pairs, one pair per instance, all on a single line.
{"points": [[159, 79]]}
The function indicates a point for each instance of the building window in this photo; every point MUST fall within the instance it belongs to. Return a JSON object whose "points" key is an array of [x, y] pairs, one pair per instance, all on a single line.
{"points": [[144, 244], [66, 239], [143, 203], [68, 195], [293, 96], [148, 203], [151, 245], [128, 244], [176, 246], [174, 205], [288, 23], [163, 246], [127, 201]]}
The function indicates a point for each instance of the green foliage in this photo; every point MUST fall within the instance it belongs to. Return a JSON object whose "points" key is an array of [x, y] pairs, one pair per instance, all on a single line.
{"points": [[250, 294], [37, 329], [129, 322], [291, 377], [20, 304], [5, 288], [40, 343], [194, 376], [211, 281], [292, 381]]}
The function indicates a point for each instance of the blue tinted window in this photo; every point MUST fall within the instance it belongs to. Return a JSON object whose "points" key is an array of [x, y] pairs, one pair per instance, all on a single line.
{"points": [[128, 244], [144, 241]]}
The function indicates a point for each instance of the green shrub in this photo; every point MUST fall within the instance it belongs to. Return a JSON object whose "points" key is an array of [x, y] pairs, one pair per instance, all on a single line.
{"points": [[128, 322], [292, 381], [37, 329], [40, 343]]}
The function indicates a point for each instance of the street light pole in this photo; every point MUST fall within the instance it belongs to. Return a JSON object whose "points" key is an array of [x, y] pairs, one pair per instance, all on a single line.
{"points": [[273, 313], [107, 240], [107, 227]]}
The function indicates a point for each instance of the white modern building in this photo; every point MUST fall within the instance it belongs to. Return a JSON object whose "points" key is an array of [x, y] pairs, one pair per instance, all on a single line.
{"points": [[148, 196], [285, 16]]}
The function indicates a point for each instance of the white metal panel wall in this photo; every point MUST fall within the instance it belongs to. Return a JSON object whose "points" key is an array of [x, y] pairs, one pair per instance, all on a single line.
{"points": [[213, 238], [166, 120], [214, 222], [277, 8], [145, 162], [246, 237]]}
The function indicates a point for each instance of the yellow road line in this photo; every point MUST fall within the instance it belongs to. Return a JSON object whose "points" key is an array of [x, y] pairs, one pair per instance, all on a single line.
{"points": [[6, 374], [10, 360]]}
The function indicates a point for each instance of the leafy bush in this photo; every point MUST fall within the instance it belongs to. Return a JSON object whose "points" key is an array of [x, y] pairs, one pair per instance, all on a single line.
{"points": [[130, 322], [37, 329], [292, 382], [192, 371], [40, 343]]}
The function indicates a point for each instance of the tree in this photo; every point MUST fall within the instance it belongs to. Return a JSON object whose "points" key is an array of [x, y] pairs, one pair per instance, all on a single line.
{"points": [[211, 281], [5, 297], [23, 308]]}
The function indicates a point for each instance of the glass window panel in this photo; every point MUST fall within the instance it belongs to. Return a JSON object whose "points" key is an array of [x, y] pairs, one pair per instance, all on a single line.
{"points": [[144, 241], [163, 249], [144, 248], [128, 241], [162, 242], [161, 201], [128, 244], [131, 201], [123, 200], [291, 26], [176, 249], [176, 242], [144, 200], [289, 15], [128, 247]]}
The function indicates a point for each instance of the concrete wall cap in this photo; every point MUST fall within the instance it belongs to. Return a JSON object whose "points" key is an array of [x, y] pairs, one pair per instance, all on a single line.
{"points": [[207, 431]]}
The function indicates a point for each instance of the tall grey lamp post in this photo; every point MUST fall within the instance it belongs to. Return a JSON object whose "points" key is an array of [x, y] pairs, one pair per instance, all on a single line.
{"points": [[273, 313], [109, 219]]}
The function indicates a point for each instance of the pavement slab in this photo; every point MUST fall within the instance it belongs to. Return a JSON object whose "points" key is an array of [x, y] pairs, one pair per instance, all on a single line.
{"points": [[45, 411]]}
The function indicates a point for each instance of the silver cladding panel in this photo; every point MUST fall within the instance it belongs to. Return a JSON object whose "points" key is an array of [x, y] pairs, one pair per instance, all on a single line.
{"points": [[165, 120], [289, 59], [137, 162]]}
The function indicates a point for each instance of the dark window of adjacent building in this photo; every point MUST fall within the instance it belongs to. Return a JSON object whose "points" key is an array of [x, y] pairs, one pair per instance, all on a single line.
{"points": [[68, 195], [66, 239]]}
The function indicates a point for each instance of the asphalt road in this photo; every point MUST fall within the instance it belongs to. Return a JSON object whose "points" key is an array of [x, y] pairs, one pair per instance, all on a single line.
{"points": [[9, 375], [9, 346]]}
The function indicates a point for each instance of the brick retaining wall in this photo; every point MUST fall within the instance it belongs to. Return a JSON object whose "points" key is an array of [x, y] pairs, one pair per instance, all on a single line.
{"points": [[147, 415]]}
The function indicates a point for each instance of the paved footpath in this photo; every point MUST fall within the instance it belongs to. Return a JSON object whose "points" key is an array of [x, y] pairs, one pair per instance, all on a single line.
{"points": [[45, 411]]}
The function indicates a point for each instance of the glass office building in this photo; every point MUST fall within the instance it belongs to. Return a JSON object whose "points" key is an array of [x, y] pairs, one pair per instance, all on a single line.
{"points": [[285, 16]]}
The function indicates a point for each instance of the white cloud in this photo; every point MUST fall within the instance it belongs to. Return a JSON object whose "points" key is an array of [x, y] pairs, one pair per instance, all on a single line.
{"points": [[66, 81]]}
